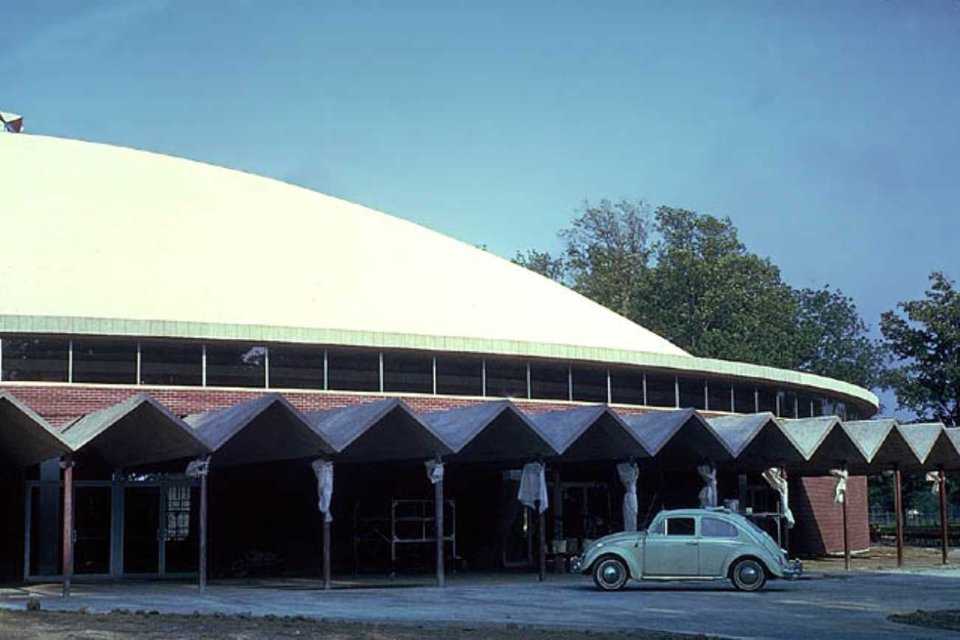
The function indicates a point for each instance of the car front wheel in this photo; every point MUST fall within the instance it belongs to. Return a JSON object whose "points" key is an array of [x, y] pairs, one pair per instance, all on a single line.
{"points": [[610, 573], [748, 575]]}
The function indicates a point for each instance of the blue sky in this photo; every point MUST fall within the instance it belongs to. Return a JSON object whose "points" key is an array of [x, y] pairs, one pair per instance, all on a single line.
{"points": [[829, 132]]}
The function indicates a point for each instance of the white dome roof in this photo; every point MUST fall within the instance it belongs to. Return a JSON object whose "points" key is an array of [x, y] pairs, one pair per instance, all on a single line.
{"points": [[95, 231]]}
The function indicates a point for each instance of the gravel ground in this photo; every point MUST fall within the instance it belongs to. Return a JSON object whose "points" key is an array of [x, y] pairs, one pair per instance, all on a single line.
{"points": [[50, 625], [947, 619]]}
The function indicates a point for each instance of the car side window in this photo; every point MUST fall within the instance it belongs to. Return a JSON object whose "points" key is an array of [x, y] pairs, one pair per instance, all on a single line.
{"points": [[657, 528], [681, 526], [717, 528]]}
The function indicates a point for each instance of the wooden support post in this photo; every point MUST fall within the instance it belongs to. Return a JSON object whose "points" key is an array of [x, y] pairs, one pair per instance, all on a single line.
{"points": [[783, 510], [557, 505], [846, 535], [898, 507], [67, 465], [204, 507], [742, 491], [542, 542], [944, 519], [326, 553], [438, 522]]}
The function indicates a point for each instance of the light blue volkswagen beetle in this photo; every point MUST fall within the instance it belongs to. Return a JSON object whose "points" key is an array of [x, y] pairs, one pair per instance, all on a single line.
{"points": [[689, 544]]}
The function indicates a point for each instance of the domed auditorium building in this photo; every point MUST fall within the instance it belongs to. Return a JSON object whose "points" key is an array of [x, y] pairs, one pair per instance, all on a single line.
{"points": [[156, 310]]}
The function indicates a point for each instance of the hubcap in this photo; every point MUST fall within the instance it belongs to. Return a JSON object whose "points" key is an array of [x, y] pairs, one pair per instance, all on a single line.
{"points": [[610, 573], [749, 574]]}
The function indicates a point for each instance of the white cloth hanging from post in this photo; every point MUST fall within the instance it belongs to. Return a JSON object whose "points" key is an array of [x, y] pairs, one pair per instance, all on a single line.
{"points": [[840, 491], [629, 472], [778, 483], [533, 486], [933, 477], [323, 469], [434, 471], [198, 468], [708, 495]]}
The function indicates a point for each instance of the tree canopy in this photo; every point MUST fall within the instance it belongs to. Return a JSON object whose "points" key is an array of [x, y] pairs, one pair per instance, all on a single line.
{"points": [[688, 277], [924, 340]]}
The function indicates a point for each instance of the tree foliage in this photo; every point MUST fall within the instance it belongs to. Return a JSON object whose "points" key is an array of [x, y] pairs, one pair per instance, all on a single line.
{"points": [[924, 340], [706, 293], [689, 277]]}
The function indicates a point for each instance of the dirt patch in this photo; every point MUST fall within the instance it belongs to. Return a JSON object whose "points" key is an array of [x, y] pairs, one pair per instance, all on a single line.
{"points": [[946, 619], [50, 625], [879, 558]]}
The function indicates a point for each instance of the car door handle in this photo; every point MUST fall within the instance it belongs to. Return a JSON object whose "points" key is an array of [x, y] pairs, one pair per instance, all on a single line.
{"points": [[693, 543]]}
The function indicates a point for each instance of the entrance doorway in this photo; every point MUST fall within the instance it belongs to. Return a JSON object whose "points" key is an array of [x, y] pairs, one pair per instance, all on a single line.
{"points": [[141, 530]]}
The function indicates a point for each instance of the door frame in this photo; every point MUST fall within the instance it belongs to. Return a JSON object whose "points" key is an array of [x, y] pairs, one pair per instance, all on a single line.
{"points": [[118, 485]]}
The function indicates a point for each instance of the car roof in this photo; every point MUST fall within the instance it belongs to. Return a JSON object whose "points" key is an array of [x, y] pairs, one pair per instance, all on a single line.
{"points": [[708, 511]]}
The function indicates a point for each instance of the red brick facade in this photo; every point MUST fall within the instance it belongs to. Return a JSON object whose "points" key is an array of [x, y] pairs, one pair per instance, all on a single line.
{"points": [[819, 522], [819, 527]]}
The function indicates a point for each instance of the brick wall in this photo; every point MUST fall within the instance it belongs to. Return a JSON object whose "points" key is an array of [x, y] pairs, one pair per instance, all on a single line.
{"points": [[819, 527]]}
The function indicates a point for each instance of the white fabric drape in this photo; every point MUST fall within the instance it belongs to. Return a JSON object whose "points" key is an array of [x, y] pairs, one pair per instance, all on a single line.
{"points": [[198, 468], [933, 477], [840, 491], [434, 471], [708, 495], [629, 472], [778, 483], [533, 486], [323, 469]]}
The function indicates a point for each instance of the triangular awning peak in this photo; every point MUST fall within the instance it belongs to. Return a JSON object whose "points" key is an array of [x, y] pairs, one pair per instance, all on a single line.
{"points": [[667, 432], [738, 431], [589, 433], [135, 432], [267, 428], [25, 437], [809, 433], [871, 436], [921, 437], [379, 431], [485, 431]]}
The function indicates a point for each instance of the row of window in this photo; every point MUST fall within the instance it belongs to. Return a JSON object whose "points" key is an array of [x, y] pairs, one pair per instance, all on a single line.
{"points": [[229, 364]]}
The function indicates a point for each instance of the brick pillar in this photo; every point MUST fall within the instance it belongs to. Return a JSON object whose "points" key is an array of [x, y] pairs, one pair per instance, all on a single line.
{"points": [[819, 528]]}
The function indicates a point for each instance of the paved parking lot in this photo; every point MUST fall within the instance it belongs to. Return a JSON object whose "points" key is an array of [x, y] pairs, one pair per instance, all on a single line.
{"points": [[836, 606]]}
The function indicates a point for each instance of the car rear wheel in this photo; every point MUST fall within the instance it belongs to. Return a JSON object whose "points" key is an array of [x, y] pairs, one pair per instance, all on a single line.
{"points": [[610, 573], [748, 575]]}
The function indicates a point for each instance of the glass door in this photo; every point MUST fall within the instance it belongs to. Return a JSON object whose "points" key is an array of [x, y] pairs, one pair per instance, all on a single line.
{"points": [[180, 534], [141, 529], [91, 554]]}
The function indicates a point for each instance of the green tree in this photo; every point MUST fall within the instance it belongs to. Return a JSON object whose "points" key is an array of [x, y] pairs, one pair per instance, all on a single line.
{"points": [[709, 295], [833, 340], [689, 277], [924, 340], [606, 251], [543, 263]]}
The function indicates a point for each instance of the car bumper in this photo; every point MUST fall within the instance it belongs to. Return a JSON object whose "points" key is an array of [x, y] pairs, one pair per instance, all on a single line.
{"points": [[793, 570], [576, 564]]}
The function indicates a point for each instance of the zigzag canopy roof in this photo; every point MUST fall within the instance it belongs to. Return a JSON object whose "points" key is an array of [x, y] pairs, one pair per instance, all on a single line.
{"points": [[141, 431]]}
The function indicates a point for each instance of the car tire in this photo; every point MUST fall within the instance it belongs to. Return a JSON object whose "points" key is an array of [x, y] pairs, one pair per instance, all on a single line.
{"points": [[748, 575], [610, 573]]}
